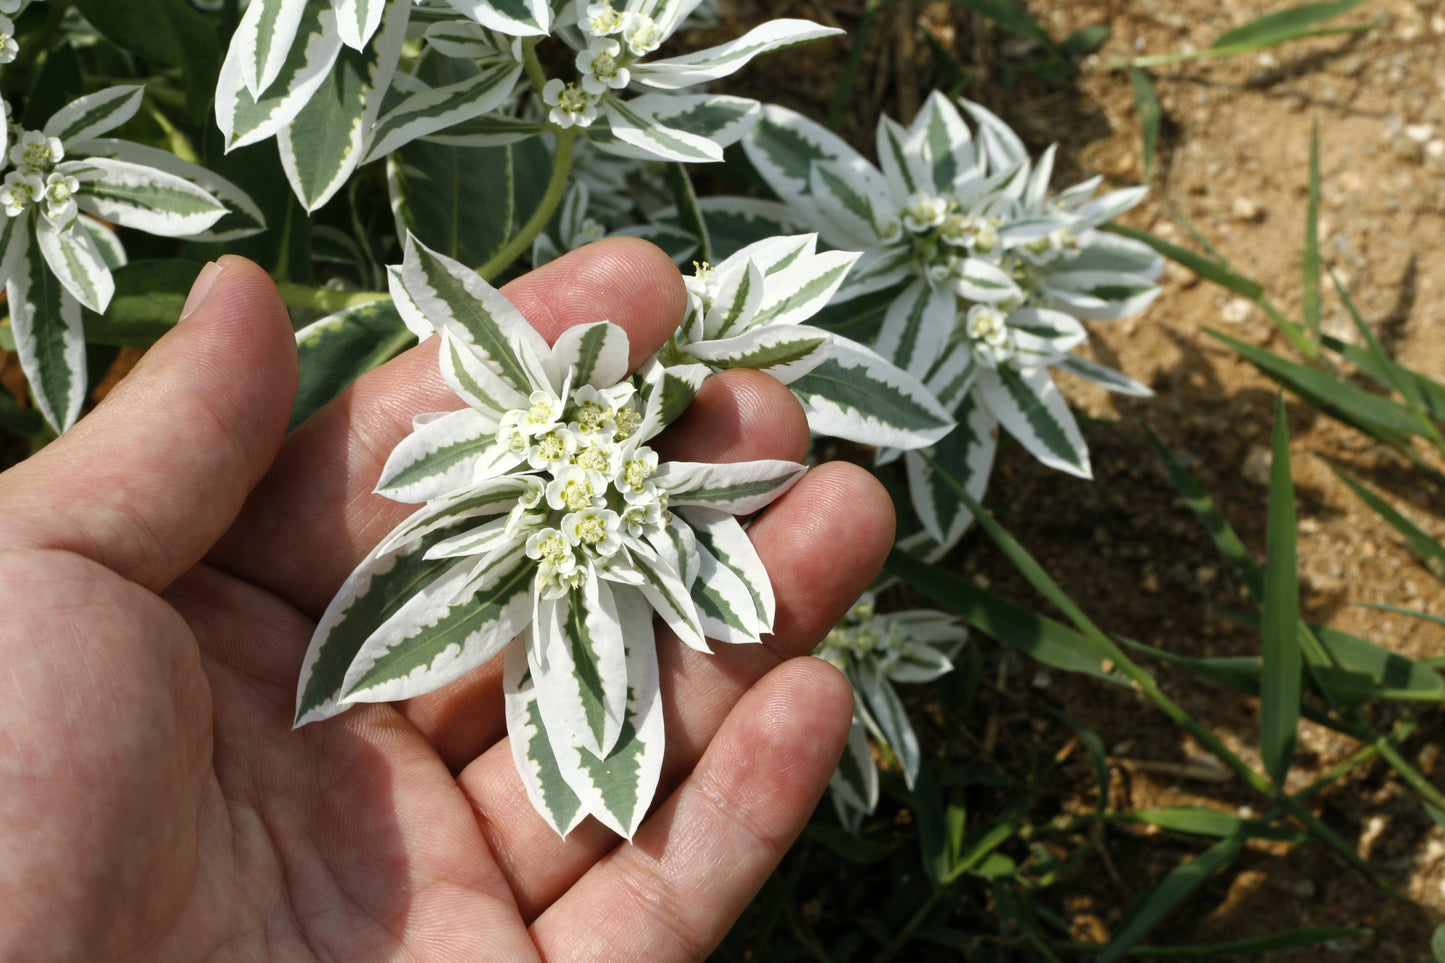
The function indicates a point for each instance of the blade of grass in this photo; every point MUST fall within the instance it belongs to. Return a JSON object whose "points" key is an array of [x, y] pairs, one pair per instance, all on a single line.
{"points": [[1151, 112], [1283, 26], [1310, 289], [1279, 687], [1430, 551], [848, 79]]}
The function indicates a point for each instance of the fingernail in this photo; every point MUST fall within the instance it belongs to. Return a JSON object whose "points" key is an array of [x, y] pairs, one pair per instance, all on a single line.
{"points": [[202, 286]]}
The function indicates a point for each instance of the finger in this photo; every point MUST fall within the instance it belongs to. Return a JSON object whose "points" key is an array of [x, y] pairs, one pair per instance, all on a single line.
{"points": [[315, 516], [737, 416], [822, 543], [697, 861], [148, 481]]}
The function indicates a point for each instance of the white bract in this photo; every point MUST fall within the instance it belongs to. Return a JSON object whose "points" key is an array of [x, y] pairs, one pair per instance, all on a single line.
{"points": [[984, 276], [64, 186], [549, 521], [874, 651]]}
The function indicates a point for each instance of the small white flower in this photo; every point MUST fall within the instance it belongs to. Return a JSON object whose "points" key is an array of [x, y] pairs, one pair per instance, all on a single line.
{"points": [[596, 530], [571, 105], [552, 448], [60, 206], [558, 570], [602, 20], [35, 153], [924, 212], [988, 329], [9, 49], [601, 67], [20, 191], [641, 33]]}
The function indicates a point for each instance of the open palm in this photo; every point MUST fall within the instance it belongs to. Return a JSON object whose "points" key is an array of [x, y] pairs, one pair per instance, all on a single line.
{"points": [[161, 569]]}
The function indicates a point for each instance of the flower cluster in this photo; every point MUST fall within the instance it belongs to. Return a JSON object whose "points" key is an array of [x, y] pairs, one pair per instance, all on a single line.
{"points": [[985, 277], [874, 650], [546, 514]]}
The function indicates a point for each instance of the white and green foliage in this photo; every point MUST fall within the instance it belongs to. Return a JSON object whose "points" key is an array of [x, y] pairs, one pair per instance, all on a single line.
{"points": [[546, 520], [66, 188], [875, 650], [982, 278]]}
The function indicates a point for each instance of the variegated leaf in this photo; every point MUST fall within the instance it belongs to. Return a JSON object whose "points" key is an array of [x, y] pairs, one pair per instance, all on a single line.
{"points": [[112, 251], [902, 163], [371, 595], [141, 197], [578, 661], [76, 262], [666, 393], [327, 140], [786, 353], [799, 290], [642, 129], [264, 37], [739, 295], [489, 130], [243, 217], [464, 40], [733, 593], [887, 712], [875, 270], [783, 146], [1001, 145], [46, 324], [1045, 334], [966, 455], [532, 753], [716, 118], [492, 497], [14, 244], [456, 298], [738, 488], [720, 61], [666, 592], [516, 18], [853, 786], [357, 20], [411, 314], [94, 114], [339, 348], [846, 192], [860, 396], [1099, 295], [457, 624], [246, 118], [918, 326], [597, 351], [444, 453], [941, 139], [431, 111], [983, 281], [1029, 406], [1103, 376], [474, 381]]}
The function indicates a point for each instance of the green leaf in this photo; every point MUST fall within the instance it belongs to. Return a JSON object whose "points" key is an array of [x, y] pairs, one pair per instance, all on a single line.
{"points": [[1151, 112], [1197, 821], [46, 323], [1157, 904], [1283, 25], [689, 215], [1310, 267], [1280, 679], [337, 349], [170, 32], [1430, 551], [437, 191], [858, 395]]}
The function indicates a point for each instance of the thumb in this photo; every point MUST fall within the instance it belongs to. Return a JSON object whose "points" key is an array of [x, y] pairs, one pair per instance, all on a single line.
{"points": [[150, 479]]}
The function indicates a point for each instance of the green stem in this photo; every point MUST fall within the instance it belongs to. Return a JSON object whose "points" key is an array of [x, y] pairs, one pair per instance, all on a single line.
{"points": [[325, 299], [556, 188], [535, 74]]}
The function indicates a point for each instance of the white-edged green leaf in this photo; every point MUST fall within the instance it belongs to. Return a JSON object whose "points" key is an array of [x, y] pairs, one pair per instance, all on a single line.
{"points": [[455, 297], [246, 118], [112, 251], [371, 595], [515, 18], [243, 216], [733, 592], [326, 141], [1103, 376], [1029, 406], [474, 381], [488, 130], [640, 128], [430, 111], [917, 327], [983, 281], [453, 626], [76, 262], [847, 192], [597, 351], [786, 353], [1099, 295], [739, 294], [1001, 145], [578, 661], [264, 37], [875, 270], [858, 395], [887, 712], [941, 138], [738, 488], [46, 324], [145, 198], [666, 393], [494, 496], [464, 40], [716, 118], [536, 763], [666, 592], [444, 453], [619, 788], [1111, 205], [902, 163], [94, 114], [783, 145], [14, 244], [966, 454], [340, 347], [853, 786], [357, 20], [796, 291], [695, 68]]}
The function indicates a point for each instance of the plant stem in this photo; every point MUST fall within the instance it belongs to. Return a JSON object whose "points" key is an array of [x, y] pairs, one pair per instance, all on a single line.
{"points": [[535, 74], [325, 299], [556, 188]]}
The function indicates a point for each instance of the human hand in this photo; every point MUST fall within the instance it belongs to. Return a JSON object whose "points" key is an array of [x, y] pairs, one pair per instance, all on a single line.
{"points": [[162, 566]]}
